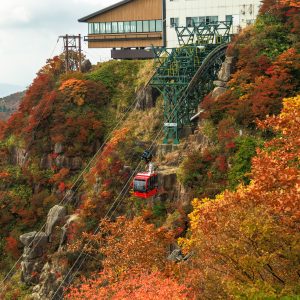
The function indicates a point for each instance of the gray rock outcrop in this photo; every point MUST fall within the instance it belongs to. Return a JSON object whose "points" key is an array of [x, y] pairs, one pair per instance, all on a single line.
{"points": [[146, 97], [223, 77], [32, 262], [86, 66], [56, 215], [58, 148], [18, 156]]}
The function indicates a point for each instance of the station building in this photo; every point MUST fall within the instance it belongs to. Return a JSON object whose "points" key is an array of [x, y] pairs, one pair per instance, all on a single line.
{"points": [[129, 27]]}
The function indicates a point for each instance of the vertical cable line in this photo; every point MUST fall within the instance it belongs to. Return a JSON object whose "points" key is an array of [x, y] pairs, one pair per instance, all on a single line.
{"points": [[108, 215], [79, 180], [181, 99]]}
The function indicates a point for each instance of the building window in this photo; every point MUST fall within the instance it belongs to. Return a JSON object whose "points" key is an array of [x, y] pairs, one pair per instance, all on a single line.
{"points": [[195, 21], [146, 26], [174, 22], [114, 27], [200, 21], [158, 25], [152, 26], [91, 28], [108, 27], [213, 20], [229, 18], [125, 27], [139, 26], [120, 27], [96, 28], [133, 26]]}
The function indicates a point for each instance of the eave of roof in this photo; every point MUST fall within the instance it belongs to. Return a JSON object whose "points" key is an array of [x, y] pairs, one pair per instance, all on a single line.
{"points": [[99, 12]]}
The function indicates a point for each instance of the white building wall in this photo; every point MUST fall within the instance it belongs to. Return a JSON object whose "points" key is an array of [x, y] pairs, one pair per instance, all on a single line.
{"points": [[243, 12]]}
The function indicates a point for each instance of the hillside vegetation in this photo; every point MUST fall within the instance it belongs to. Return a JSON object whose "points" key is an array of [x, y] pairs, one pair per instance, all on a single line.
{"points": [[10, 104], [240, 232]]}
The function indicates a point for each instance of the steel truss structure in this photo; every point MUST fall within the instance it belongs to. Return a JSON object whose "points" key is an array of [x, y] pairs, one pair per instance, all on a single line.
{"points": [[185, 75]]}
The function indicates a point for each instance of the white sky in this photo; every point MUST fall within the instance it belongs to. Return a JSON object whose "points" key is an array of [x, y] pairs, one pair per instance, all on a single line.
{"points": [[29, 30]]}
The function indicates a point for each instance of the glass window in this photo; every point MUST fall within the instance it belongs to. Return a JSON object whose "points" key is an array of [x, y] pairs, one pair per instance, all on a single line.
{"points": [[133, 26], [195, 21], [189, 22], [152, 26], [139, 185], [229, 18], [120, 27], [158, 25], [96, 28], [102, 28], [146, 26], [174, 22], [213, 19], [114, 27], [91, 29], [126, 26], [202, 21], [139, 26], [108, 27]]}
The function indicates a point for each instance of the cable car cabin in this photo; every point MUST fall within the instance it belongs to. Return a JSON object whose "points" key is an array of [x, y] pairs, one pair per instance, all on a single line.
{"points": [[145, 185]]}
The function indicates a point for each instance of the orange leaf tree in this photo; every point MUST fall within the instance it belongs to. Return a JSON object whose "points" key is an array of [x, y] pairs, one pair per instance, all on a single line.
{"points": [[246, 243], [153, 286]]}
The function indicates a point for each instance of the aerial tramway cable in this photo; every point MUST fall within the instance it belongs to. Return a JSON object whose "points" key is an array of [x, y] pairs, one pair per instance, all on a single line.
{"points": [[108, 215], [184, 94], [79, 180]]}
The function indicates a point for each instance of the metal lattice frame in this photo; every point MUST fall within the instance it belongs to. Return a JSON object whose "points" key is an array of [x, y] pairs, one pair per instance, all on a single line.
{"points": [[185, 75], [204, 33]]}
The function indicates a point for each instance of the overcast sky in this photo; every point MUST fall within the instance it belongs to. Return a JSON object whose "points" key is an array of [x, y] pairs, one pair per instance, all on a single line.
{"points": [[29, 30]]}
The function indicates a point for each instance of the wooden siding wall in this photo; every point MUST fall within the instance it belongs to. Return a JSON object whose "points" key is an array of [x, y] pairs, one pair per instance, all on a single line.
{"points": [[133, 11]]}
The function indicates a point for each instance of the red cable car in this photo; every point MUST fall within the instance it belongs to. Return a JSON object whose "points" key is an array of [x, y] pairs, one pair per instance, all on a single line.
{"points": [[145, 185]]}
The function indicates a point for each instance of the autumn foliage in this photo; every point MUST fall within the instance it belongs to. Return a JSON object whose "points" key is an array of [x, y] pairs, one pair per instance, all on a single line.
{"points": [[138, 270], [246, 243], [152, 286]]}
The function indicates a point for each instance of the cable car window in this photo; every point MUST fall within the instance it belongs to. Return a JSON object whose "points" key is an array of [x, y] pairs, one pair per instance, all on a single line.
{"points": [[150, 183], [139, 185]]}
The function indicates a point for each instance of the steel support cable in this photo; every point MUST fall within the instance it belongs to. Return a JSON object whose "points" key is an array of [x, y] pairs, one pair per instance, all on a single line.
{"points": [[79, 177], [95, 232], [54, 48], [111, 207], [108, 214], [205, 62]]}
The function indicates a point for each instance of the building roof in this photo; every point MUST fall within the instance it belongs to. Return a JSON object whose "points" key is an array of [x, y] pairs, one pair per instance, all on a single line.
{"points": [[99, 12]]}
